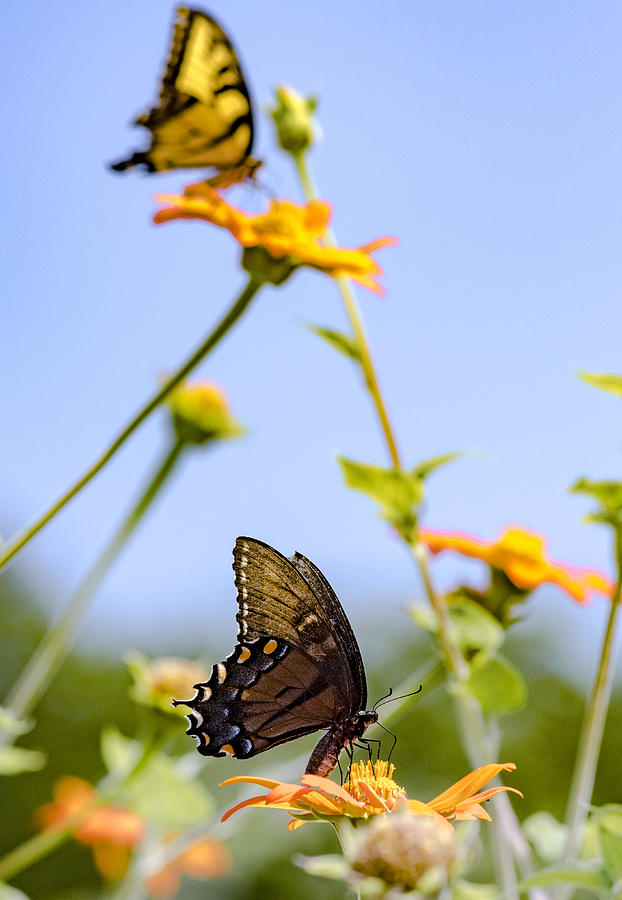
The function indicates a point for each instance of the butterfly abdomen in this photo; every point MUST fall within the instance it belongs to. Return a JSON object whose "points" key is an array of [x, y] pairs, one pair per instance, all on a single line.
{"points": [[326, 753]]}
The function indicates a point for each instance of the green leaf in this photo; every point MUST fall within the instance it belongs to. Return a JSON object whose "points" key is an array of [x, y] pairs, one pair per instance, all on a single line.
{"points": [[587, 875], [15, 760], [496, 683], [397, 492], [547, 835], [606, 382], [344, 343], [609, 821], [118, 752], [466, 890], [428, 466], [608, 495], [475, 628]]}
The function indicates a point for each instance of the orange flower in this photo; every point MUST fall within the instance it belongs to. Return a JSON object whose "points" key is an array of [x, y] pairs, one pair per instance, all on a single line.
{"points": [[521, 555], [205, 859], [286, 230], [112, 831], [371, 791]]}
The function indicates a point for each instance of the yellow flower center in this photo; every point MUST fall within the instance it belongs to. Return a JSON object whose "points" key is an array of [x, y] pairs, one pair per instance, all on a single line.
{"points": [[379, 777]]}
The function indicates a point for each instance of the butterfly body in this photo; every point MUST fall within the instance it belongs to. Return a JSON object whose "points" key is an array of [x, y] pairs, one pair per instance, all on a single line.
{"points": [[296, 667], [204, 117]]}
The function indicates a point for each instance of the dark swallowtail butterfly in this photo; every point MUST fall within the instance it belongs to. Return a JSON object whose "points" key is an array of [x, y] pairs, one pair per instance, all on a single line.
{"points": [[295, 669], [205, 116]]}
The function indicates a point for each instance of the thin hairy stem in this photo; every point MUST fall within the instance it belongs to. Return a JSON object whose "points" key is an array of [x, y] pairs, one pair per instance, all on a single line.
{"points": [[229, 319]]}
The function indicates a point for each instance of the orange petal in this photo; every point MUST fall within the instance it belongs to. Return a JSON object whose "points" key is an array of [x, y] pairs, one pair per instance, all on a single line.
{"points": [[295, 823], [328, 786], [250, 779], [258, 801], [468, 786]]}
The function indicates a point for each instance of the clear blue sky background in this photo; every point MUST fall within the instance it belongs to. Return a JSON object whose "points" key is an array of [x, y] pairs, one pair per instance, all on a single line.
{"points": [[486, 136]]}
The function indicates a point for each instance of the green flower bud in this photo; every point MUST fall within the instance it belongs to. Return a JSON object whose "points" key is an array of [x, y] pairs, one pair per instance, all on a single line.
{"points": [[295, 123]]}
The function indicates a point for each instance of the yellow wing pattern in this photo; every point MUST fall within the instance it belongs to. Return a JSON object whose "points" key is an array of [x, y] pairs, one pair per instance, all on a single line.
{"points": [[204, 117]]}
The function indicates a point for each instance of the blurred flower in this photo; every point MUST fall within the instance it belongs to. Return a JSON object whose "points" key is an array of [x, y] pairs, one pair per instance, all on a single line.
{"points": [[205, 859], [371, 791], [157, 681], [295, 123], [114, 831], [405, 852], [201, 413], [288, 232], [521, 556]]}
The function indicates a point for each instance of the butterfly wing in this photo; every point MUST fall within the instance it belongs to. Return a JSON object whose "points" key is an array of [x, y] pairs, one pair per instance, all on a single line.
{"points": [[296, 667], [204, 117]]}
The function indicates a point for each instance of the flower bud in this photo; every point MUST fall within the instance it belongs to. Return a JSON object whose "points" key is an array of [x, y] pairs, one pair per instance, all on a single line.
{"points": [[201, 414], [295, 123], [405, 852]]}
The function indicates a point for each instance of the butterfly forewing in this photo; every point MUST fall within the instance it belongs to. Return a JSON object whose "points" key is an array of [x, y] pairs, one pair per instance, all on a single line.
{"points": [[296, 667], [204, 117]]}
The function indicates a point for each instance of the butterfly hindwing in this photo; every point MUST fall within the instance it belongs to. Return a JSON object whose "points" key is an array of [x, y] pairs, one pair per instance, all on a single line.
{"points": [[296, 668], [204, 117]]}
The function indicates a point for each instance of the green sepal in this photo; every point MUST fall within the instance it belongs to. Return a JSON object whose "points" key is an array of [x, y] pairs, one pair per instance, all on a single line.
{"points": [[547, 835], [16, 760], [498, 685], [266, 269], [603, 381], [608, 495], [340, 341]]}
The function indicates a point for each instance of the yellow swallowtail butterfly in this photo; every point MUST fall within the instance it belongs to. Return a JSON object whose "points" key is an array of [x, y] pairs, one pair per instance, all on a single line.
{"points": [[204, 117]]}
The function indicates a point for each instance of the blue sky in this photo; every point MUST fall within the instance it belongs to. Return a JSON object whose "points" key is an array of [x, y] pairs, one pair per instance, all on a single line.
{"points": [[486, 136]]}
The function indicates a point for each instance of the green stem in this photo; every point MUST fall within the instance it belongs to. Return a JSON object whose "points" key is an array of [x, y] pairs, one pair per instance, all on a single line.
{"points": [[41, 844], [470, 714], [228, 320], [356, 322], [591, 736], [50, 653]]}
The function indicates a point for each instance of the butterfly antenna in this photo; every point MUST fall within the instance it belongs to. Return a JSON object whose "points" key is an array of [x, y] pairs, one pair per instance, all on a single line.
{"points": [[388, 698]]}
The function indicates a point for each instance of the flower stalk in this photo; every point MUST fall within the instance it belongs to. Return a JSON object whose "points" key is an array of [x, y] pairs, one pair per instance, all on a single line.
{"points": [[13, 547], [55, 645], [591, 735]]}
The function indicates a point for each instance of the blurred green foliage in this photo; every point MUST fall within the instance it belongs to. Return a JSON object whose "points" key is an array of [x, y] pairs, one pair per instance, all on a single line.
{"points": [[92, 692]]}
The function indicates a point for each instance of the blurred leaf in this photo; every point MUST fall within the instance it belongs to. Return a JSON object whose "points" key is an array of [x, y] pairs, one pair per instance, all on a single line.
{"points": [[118, 752], [159, 793], [587, 875], [475, 628], [15, 760], [496, 683], [428, 466], [608, 495], [330, 865], [609, 820], [611, 383], [465, 890], [13, 725], [10, 893], [162, 796], [344, 343], [547, 835], [398, 493]]}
